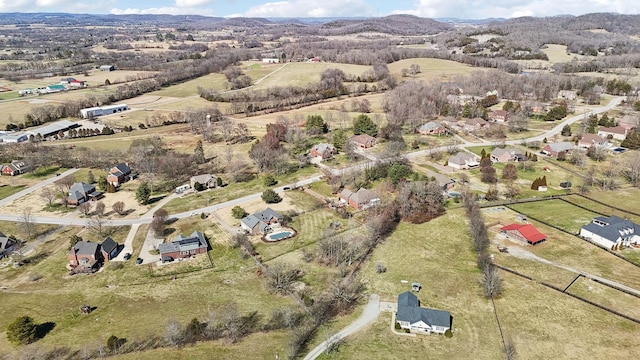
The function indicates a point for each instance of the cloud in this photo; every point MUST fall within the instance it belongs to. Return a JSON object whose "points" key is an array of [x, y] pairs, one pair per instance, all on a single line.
{"points": [[192, 3], [162, 10], [478, 9], [310, 8]]}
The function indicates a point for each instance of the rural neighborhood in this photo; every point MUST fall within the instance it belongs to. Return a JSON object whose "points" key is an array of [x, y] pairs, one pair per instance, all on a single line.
{"points": [[190, 186]]}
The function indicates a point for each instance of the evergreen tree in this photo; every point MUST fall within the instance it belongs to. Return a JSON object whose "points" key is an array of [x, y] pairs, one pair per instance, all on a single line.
{"points": [[632, 141], [143, 193], [364, 125], [339, 139], [198, 153], [566, 131], [90, 178], [22, 331]]}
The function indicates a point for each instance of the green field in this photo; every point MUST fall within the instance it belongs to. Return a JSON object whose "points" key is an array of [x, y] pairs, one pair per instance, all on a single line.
{"points": [[432, 68], [558, 213], [300, 74], [8, 190], [188, 88]]}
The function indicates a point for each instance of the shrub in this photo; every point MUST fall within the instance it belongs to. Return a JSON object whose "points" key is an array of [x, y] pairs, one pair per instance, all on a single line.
{"points": [[238, 212], [271, 197], [114, 343], [269, 180], [22, 331], [380, 268]]}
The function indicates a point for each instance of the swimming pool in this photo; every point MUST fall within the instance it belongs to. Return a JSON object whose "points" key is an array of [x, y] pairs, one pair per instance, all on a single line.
{"points": [[279, 235]]}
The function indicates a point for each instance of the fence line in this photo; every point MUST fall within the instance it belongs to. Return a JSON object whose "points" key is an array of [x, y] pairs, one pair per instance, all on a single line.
{"points": [[608, 205]]}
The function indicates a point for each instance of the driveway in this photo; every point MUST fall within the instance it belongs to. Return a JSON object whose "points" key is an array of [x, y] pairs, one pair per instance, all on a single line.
{"points": [[40, 185], [370, 313]]}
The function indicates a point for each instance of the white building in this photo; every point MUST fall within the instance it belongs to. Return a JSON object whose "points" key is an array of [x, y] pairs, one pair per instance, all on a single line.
{"points": [[611, 231], [103, 110]]}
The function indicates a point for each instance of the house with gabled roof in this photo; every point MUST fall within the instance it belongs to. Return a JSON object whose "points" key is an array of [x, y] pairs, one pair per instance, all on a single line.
{"points": [[209, 181], [109, 249], [260, 222], [524, 233], [359, 200], [555, 149], [588, 140], [16, 167], [611, 231], [431, 128], [629, 122], [84, 257], [567, 95], [7, 245], [418, 319], [616, 132], [475, 124], [82, 192], [363, 141], [119, 174], [499, 116], [499, 155], [323, 151], [184, 246], [445, 182], [463, 160]]}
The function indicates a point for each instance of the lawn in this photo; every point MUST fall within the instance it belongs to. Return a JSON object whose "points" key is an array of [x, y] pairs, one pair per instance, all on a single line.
{"points": [[432, 68], [188, 88], [300, 74], [8, 190], [129, 302], [606, 296], [558, 213], [604, 209]]}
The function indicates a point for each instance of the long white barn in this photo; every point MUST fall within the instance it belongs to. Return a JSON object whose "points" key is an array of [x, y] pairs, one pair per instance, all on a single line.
{"points": [[103, 110]]}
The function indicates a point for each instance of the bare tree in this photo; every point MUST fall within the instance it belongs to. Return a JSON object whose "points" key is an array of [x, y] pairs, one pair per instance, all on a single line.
{"points": [[26, 224], [100, 207], [632, 171], [173, 333], [510, 350], [157, 226], [85, 208], [98, 225], [491, 282], [49, 195], [118, 207]]}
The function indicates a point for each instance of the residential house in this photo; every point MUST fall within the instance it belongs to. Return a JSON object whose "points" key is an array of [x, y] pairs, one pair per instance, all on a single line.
{"points": [[463, 160], [616, 132], [7, 245], [82, 192], [260, 222], [109, 249], [500, 155], [611, 231], [363, 141], [323, 151], [271, 60], [524, 233], [209, 181], [567, 95], [119, 174], [629, 122], [432, 128], [445, 182], [16, 167], [418, 319], [587, 140], [84, 257], [499, 116], [359, 200], [107, 68], [184, 246], [475, 124], [554, 149], [449, 121]]}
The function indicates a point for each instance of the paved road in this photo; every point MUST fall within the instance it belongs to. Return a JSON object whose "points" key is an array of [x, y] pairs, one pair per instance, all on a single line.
{"points": [[370, 313], [40, 185]]}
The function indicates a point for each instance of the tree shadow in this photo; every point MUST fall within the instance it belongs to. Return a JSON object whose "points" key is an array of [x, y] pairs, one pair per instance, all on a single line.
{"points": [[169, 231], [43, 329], [155, 199]]}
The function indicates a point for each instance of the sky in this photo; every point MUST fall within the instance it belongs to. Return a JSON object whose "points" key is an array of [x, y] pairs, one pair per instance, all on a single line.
{"points": [[462, 9]]}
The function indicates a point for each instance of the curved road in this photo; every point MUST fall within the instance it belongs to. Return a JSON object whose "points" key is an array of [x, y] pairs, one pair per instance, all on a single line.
{"points": [[369, 314]]}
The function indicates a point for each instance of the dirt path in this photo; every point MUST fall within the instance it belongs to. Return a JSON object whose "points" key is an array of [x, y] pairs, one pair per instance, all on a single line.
{"points": [[521, 253]]}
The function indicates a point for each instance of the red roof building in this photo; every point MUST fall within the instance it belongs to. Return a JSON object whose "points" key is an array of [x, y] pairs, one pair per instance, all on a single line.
{"points": [[524, 232]]}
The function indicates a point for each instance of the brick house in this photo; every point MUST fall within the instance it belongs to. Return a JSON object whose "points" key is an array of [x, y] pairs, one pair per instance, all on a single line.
{"points": [[554, 149], [209, 181], [499, 155], [499, 116], [463, 160], [432, 128], [474, 124], [363, 141], [591, 139], [119, 174], [184, 246], [16, 167], [260, 222], [84, 257], [359, 200], [82, 192], [109, 249], [323, 151]]}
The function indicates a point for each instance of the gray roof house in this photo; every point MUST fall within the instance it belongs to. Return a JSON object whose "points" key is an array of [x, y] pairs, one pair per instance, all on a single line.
{"points": [[81, 192], [323, 151], [109, 248], [84, 257], [361, 199], [207, 180], [554, 149], [506, 154], [184, 246], [259, 222], [7, 245], [445, 182], [463, 160], [418, 319], [611, 231]]}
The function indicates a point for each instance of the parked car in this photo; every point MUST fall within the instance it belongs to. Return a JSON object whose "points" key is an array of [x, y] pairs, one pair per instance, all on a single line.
{"points": [[286, 188], [167, 259], [127, 256], [139, 261]]}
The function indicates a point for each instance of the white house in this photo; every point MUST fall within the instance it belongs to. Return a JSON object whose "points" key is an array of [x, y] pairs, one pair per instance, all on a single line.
{"points": [[270, 60], [420, 320], [611, 231]]}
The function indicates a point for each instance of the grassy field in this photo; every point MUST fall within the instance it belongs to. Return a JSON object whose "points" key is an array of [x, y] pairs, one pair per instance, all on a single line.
{"points": [[188, 88], [606, 296], [431, 69], [299, 74], [592, 205], [8, 190], [558, 213]]}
